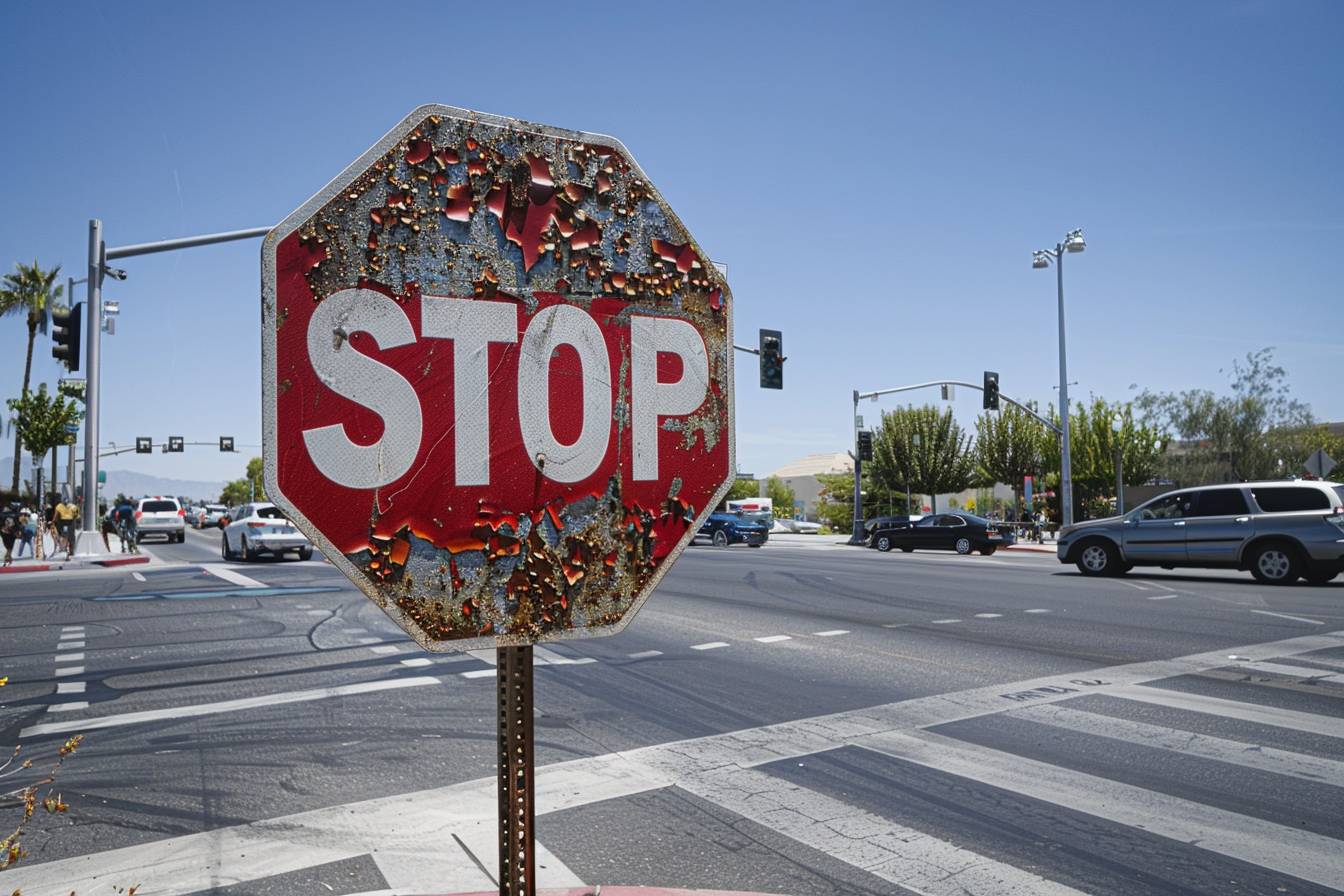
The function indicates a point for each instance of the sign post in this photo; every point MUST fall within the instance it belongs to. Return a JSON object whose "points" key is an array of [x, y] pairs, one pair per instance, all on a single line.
{"points": [[497, 394]]}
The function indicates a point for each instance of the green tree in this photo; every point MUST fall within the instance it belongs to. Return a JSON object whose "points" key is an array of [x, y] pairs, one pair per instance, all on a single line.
{"points": [[781, 497], [29, 292], [1249, 434], [743, 488], [1092, 448], [1010, 446], [41, 421], [249, 488], [942, 461]]}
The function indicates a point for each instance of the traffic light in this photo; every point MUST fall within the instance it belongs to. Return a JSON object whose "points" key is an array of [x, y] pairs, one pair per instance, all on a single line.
{"points": [[144, 445], [67, 325], [772, 359], [226, 443], [865, 445], [991, 402], [175, 444]]}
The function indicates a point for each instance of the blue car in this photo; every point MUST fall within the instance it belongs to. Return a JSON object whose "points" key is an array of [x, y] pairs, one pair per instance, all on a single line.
{"points": [[735, 527]]}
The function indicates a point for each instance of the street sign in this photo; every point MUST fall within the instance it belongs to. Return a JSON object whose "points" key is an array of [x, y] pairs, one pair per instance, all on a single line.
{"points": [[1319, 464], [72, 427], [226, 443], [175, 444], [497, 379], [144, 445]]}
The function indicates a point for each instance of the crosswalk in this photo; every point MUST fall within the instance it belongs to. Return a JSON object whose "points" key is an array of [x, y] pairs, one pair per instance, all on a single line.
{"points": [[1220, 772]]}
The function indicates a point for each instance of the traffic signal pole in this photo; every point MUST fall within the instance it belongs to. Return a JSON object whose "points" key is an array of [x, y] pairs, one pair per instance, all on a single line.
{"points": [[99, 255]]}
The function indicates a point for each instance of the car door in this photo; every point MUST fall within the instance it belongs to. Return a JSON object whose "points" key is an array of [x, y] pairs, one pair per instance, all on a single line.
{"points": [[1219, 525], [950, 528], [923, 534], [1155, 532], [233, 532]]}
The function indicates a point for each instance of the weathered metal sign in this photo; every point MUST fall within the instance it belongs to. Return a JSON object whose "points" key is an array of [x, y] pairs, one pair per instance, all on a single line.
{"points": [[497, 377]]}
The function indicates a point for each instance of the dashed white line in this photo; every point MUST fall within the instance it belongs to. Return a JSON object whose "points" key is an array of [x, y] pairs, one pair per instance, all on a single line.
{"points": [[832, 633], [644, 654], [1286, 616], [1134, 585], [479, 673], [772, 639], [230, 576], [72, 629], [386, 648], [70, 645], [988, 615], [709, 645], [205, 709], [1163, 596], [1037, 610], [417, 662], [943, 621], [69, 657], [71, 670], [317, 612], [67, 707], [70, 687]]}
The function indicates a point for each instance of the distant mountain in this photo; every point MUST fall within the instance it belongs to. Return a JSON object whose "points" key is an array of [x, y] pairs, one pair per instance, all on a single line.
{"points": [[126, 482]]}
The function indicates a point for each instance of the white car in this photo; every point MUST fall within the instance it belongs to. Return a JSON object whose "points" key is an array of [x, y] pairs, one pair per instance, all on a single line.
{"points": [[800, 527], [261, 529], [160, 516]]}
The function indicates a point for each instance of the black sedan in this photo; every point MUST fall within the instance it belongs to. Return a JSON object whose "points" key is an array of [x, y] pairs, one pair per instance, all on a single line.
{"points": [[960, 532]]}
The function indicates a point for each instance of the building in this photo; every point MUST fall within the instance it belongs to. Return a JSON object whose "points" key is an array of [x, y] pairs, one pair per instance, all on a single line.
{"points": [[801, 476]]}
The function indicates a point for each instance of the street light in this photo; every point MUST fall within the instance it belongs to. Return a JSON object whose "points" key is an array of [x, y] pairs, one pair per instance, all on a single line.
{"points": [[1117, 425], [914, 442], [1041, 258]]}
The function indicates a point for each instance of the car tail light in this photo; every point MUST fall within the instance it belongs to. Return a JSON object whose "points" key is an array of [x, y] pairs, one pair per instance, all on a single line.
{"points": [[256, 525], [138, 514], [181, 512]]}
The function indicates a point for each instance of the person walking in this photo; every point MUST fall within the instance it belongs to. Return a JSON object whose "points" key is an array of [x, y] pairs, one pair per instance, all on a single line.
{"points": [[126, 528], [8, 531], [67, 514], [27, 532]]}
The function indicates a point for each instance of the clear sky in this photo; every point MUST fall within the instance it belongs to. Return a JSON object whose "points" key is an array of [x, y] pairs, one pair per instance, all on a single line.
{"points": [[875, 176]]}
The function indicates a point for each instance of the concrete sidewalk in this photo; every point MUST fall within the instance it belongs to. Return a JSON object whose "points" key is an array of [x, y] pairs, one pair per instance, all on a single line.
{"points": [[55, 561]]}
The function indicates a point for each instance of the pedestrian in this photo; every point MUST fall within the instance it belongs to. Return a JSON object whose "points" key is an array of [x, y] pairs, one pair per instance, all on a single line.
{"points": [[49, 523], [27, 531], [109, 526], [67, 513], [8, 531], [125, 515]]}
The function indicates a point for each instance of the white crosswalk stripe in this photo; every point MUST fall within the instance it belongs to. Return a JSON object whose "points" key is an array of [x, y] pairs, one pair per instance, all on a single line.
{"points": [[1234, 709]]}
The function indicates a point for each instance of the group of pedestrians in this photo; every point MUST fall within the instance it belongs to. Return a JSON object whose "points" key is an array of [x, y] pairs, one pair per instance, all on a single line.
{"points": [[25, 528]]}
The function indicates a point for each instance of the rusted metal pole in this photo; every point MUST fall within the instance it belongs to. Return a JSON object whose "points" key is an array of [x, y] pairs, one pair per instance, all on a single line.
{"points": [[517, 831]]}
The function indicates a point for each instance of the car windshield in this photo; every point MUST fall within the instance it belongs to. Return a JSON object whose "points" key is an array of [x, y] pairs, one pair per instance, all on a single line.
{"points": [[158, 506], [762, 517], [270, 513]]}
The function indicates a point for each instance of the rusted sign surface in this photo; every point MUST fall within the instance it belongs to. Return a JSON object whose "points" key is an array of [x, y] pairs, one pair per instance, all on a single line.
{"points": [[497, 377]]}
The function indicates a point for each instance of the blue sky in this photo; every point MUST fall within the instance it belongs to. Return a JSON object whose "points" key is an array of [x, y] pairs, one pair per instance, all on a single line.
{"points": [[875, 176]]}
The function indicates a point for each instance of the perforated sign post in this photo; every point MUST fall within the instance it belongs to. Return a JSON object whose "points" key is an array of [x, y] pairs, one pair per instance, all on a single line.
{"points": [[497, 377]]}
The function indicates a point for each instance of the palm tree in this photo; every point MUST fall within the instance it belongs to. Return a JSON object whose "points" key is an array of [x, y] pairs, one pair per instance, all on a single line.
{"points": [[29, 291]]}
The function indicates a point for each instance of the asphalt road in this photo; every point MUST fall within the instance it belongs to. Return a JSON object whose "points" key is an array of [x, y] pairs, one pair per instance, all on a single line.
{"points": [[804, 719]]}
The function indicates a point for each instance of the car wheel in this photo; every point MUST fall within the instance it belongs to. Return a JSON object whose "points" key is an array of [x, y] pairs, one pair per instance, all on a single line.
{"points": [[1274, 563], [246, 551], [224, 547], [1098, 558], [988, 552], [305, 553], [720, 539], [1320, 576], [962, 546], [883, 543]]}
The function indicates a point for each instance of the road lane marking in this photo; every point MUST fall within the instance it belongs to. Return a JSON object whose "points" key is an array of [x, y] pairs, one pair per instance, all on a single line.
{"points": [[1277, 847], [368, 640], [988, 615], [709, 645], [485, 656], [69, 657], [543, 657], [1133, 585], [644, 654], [70, 645], [72, 629], [1286, 616], [66, 707], [318, 612], [386, 648], [1298, 672], [1234, 709], [943, 621], [71, 670], [139, 577], [233, 577], [397, 824], [479, 673], [902, 855], [354, 631], [1206, 746], [774, 639], [417, 662], [1163, 596], [206, 709], [832, 633], [1036, 610], [70, 687]]}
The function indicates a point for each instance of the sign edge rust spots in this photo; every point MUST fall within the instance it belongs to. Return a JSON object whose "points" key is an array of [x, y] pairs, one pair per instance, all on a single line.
{"points": [[273, 317]]}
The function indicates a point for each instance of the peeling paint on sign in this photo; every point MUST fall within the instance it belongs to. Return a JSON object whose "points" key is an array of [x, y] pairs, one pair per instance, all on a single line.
{"points": [[498, 379]]}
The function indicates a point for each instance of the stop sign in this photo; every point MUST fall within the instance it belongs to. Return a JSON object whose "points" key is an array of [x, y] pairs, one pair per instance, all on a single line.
{"points": [[497, 377]]}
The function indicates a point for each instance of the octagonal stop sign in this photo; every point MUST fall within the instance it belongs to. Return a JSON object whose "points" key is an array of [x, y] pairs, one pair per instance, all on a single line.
{"points": [[497, 377]]}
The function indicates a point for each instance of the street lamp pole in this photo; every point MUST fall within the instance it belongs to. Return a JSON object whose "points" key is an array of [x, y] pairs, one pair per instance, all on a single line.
{"points": [[1072, 242], [1117, 427], [856, 536]]}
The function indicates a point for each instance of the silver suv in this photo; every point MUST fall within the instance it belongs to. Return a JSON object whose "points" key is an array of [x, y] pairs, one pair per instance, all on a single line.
{"points": [[1280, 531], [161, 516]]}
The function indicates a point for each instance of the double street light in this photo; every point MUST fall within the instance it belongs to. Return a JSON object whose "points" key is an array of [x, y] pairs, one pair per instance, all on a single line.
{"points": [[1041, 258]]}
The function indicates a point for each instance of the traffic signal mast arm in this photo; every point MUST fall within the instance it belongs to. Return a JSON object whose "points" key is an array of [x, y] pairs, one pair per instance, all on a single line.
{"points": [[1017, 404]]}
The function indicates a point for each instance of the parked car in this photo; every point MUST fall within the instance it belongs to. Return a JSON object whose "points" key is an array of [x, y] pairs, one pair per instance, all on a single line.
{"points": [[160, 516], [261, 529], [210, 515], [960, 532], [734, 527], [1279, 530], [798, 527]]}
